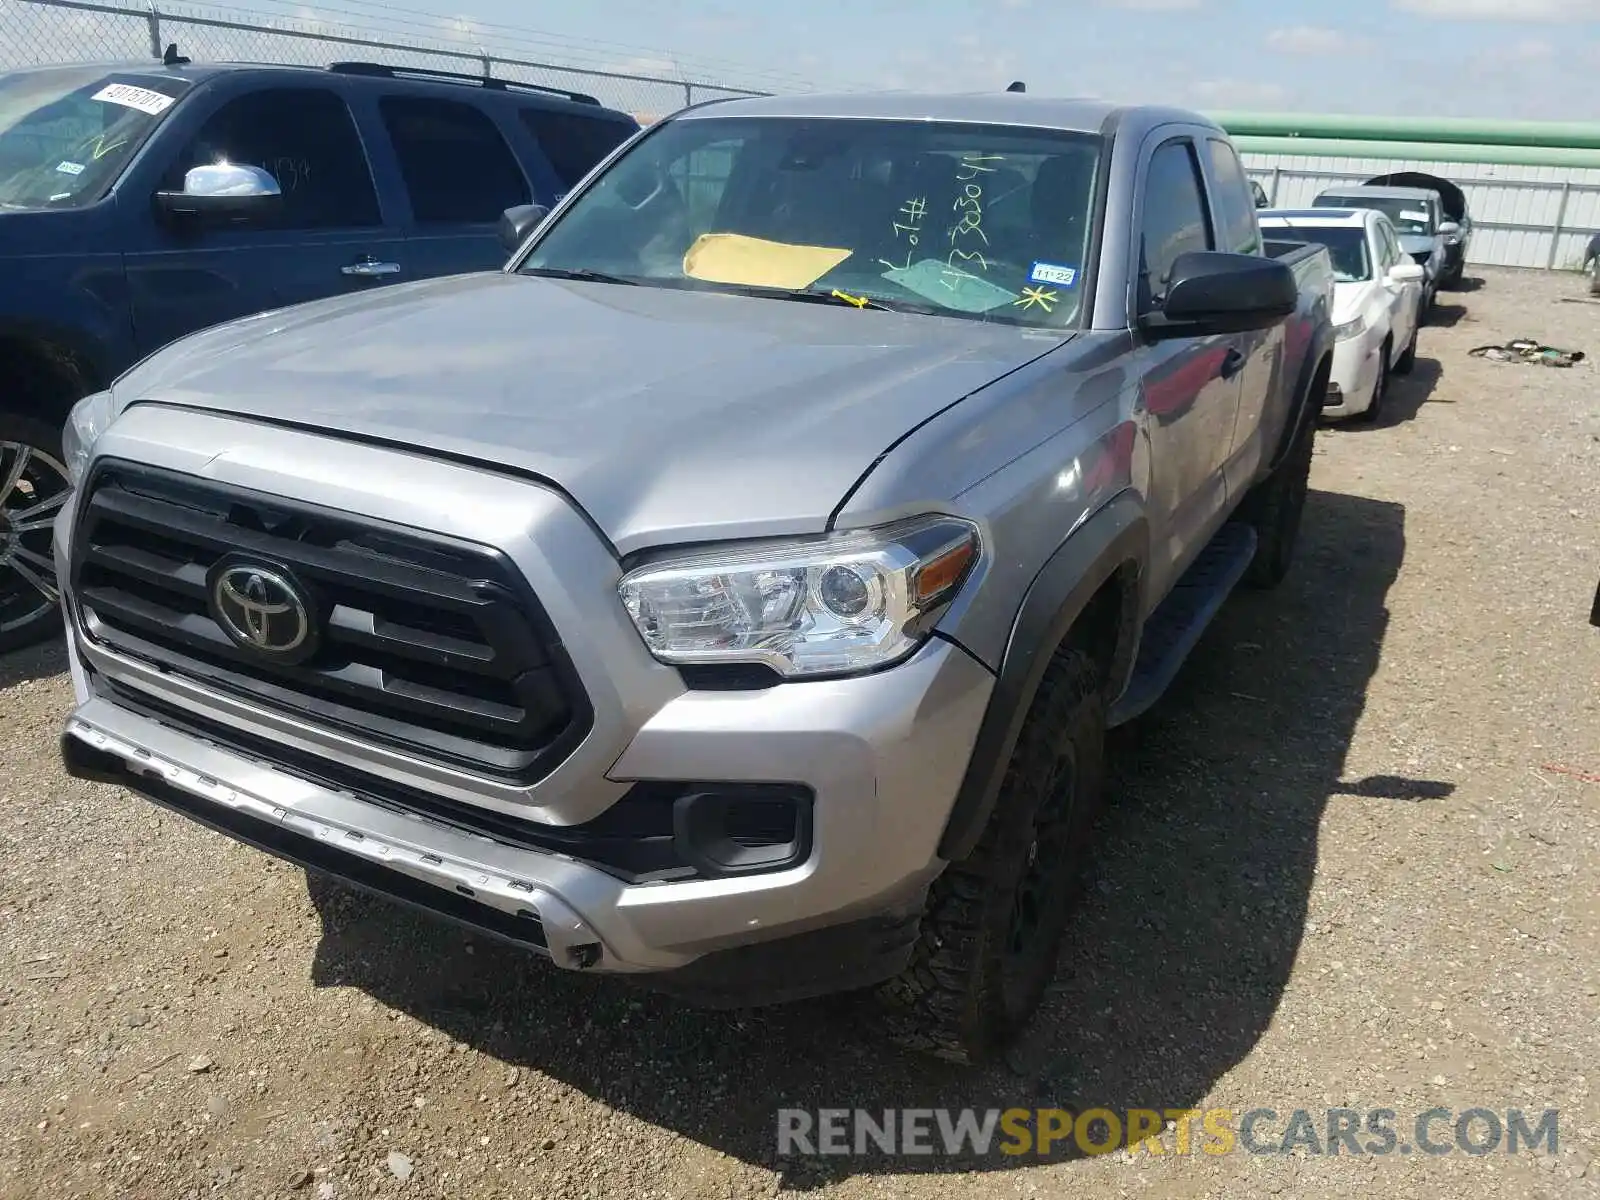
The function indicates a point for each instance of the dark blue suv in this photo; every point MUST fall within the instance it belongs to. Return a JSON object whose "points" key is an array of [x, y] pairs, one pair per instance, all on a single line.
{"points": [[142, 203]]}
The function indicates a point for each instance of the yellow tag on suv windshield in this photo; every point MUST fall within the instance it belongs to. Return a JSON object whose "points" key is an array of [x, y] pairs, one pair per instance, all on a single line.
{"points": [[754, 262]]}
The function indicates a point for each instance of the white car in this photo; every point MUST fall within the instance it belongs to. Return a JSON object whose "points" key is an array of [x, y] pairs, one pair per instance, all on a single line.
{"points": [[1377, 300]]}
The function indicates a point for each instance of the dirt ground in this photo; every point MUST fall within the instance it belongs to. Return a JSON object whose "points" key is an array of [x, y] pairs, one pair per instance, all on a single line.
{"points": [[1350, 860]]}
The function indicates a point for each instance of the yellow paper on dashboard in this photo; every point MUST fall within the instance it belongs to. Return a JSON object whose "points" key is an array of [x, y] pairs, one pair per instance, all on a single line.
{"points": [[756, 262]]}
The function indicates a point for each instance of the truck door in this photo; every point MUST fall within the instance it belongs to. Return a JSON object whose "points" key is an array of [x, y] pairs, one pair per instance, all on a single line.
{"points": [[326, 237], [1259, 351], [1190, 385]]}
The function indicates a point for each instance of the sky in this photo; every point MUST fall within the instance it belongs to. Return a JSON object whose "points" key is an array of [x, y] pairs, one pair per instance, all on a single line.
{"points": [[1473, 58], [1478, 58]]}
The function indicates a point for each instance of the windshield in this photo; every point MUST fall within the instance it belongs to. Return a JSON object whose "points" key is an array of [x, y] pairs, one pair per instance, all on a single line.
{"points": [[971, 221], [66, 133], [1409, 214], [1347, 247]]}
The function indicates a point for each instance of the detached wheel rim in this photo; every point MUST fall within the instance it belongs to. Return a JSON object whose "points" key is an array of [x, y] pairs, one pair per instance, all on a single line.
{"points": [[33, 488], [1046, 873]]}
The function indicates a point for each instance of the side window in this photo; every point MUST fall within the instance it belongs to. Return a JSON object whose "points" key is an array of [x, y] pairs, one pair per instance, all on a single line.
{"points": [[457, 168], [573, 143], [1236, 209], [1175, 217], [307, 139]]}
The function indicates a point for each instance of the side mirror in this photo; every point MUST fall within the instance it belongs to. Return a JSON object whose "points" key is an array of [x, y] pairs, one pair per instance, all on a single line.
{"points": [[1212, 291], [225, 191], [517, 223], [1449, 229], [1407, 272]]}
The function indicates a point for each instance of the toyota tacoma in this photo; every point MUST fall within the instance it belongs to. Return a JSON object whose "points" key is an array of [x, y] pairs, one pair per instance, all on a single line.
{"points": [[734, 591]]}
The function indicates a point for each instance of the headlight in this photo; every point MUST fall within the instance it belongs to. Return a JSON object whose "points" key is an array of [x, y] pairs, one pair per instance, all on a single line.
{"points": [[830, 605], [85, 423], [1350, 329]]}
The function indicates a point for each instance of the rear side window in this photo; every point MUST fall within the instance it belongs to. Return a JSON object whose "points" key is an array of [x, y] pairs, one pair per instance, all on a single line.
{"points": [[1236, 209], [1175, 218], [573, 143], [307, 139], [457, 168]]}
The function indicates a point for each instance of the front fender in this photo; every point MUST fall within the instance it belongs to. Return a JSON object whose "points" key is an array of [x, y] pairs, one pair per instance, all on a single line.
{"points": [[1115, 539]]}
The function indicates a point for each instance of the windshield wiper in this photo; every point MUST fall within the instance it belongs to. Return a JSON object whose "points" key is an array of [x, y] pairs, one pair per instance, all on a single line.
{"points": [[835, 296], [583, 276]]}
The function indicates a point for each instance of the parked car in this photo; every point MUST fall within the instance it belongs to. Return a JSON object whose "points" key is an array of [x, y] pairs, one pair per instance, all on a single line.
{"points": [[1377, 301], [1453, 203], [1591, 264], [121, 229], [1417, 215], [732, 593]]}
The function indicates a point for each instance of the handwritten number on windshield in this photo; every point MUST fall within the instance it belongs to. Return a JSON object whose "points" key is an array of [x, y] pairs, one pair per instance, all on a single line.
{"points": [[970, 205], [913, 212]]}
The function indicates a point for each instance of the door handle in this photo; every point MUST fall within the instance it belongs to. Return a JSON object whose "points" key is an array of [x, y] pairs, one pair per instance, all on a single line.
{"points": [[1232, 363], [370, 268]]}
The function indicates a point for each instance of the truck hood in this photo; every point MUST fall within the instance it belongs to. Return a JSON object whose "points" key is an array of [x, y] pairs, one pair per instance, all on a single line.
{"points": [[666, 414]]}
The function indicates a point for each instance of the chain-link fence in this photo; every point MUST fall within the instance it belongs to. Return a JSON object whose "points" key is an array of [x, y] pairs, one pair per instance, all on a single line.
{"points": [[46, 31]]}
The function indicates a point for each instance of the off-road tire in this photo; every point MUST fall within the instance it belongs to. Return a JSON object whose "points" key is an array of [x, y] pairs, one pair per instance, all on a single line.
{"points": [[1273, 508], [45, 444], [968, 991]]}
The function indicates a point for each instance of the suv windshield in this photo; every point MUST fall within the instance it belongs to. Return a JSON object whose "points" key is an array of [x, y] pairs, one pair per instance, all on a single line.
{"points": [[1410, 215], [971, 221], [67, 132]]}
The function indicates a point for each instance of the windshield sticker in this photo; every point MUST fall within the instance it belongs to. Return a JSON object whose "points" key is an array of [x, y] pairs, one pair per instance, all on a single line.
{"points": [[143, 99], [70, 168], [755, 262], [1411, 214], [936, 281], [1043, 272]]}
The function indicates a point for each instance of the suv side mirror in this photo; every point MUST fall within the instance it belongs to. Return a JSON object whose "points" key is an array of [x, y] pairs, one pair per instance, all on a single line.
{"points": [[1407, 272], [1450, 229], [1211, 291], [517, 223], [226, 191]]}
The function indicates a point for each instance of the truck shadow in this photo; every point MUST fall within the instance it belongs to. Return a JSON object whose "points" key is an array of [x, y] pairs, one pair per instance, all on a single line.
{"points": [[1191, 923], [36, 662]]}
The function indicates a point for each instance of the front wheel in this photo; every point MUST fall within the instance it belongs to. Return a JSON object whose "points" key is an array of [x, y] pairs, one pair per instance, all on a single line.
{"points": [[1594, 276], [33, 489], [993, 926]]}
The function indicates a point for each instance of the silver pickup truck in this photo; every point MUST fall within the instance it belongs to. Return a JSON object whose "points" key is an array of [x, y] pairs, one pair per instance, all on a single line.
{"points": [[734, 592]]}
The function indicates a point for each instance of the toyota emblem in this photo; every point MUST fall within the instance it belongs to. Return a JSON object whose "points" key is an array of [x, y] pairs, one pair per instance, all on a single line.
{"points": [[263, 609]]}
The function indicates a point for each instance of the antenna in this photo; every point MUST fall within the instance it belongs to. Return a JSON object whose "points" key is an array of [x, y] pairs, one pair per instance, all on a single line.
{"points": [[1018, 86], [172, 58]]}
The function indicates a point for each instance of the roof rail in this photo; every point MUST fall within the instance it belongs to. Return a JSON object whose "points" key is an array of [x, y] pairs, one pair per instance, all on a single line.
{"points": [[384, 71]]}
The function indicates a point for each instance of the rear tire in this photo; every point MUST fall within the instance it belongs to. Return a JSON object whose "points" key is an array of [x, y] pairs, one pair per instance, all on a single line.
{"points": [[1274, 507], [1594, 277], [992, 929], [33, 489]]}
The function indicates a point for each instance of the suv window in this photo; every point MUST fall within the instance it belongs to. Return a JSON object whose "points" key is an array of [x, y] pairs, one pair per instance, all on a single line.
{"points": [[307, 139], [457, 168], [1236, 209], [571, 142], [1175, 217]]}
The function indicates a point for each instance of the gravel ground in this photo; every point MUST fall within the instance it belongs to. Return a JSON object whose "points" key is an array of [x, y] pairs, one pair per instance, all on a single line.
{"points": [[1341, 867]]}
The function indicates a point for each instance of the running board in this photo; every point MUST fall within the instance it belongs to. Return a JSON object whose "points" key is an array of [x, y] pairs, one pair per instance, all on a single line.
{"points": [[1175, 627]]}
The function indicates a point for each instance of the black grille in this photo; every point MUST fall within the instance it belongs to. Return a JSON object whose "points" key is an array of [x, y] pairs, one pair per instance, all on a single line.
{"points": [[428, 644]]}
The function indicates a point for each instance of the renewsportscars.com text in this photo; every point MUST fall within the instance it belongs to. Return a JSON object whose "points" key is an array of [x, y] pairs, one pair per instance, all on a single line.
{"points": [[1046, 1132]]}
